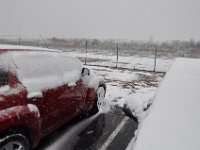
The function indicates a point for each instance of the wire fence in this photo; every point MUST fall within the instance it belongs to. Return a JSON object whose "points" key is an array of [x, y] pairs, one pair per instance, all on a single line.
{"points": [[123, 59]]}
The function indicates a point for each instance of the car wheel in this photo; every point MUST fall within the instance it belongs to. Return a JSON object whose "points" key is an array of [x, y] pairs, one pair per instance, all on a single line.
{"points": [[14, 142], [100, 97], [99, 101]]}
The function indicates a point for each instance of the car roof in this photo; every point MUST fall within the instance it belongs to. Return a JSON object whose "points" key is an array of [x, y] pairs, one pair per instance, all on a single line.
{"points": [[39, 71], [7, 47]]}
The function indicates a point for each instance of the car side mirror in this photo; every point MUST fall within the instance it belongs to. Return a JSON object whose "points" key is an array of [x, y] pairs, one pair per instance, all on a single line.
{"points": [[85, 71]]}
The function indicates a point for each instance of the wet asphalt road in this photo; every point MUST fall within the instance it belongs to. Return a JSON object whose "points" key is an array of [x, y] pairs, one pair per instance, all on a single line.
{"points": [[111, 131]]}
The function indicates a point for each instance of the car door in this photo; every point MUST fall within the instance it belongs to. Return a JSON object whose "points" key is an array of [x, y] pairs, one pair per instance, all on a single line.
{"points": [[53, 105], [50, 105], [41, 75], [74, 98]]}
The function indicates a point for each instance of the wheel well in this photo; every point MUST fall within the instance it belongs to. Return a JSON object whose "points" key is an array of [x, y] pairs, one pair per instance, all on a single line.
{"points": [[21, 129], [103, 85]]}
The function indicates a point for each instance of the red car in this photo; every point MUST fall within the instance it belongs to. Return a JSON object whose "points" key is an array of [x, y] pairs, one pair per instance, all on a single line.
{"points": [[40, 90]]}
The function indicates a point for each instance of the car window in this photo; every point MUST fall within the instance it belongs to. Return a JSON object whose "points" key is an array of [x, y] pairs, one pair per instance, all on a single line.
{"points": [[3, 78], [39, 71]]}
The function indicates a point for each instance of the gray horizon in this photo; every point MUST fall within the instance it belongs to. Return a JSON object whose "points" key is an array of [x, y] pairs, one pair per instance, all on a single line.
{"points": [[101, 19]]}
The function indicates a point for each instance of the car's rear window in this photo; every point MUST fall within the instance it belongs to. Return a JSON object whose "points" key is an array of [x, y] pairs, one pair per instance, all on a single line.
{"points": [[3, 77]]}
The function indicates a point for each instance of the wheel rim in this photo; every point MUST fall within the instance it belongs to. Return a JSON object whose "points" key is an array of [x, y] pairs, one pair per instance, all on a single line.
{"points": [[100, 97], [14, 145]]}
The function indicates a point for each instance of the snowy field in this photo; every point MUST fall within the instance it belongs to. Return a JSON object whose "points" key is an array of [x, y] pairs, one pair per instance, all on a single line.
{"points": [[123, 83], [130, 62]]}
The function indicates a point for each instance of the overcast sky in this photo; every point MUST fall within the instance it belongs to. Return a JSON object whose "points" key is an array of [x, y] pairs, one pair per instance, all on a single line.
{"points": [[103, 19]]}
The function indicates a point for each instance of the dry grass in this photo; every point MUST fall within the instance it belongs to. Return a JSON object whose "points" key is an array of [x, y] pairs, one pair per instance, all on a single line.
{"points": [[142, 80]]}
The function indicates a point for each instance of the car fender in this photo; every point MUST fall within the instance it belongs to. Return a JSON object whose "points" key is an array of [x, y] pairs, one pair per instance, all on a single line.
{"points": [[90, 98], [91, 95], [26, 115]]}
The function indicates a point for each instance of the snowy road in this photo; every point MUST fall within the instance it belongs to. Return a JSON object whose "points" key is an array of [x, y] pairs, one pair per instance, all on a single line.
{"points": [[103, 131]]}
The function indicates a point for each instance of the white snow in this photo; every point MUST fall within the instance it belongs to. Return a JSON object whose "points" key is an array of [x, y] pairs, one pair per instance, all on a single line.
{"points": [[92, 80], [71, 84], [35, 95], [16, 109], [39, 71], [173, 122], [33, 108], [21, 47], [131, 62], [7, 90], [138, 104], [6, 112], [122, 84], [4, 89]]}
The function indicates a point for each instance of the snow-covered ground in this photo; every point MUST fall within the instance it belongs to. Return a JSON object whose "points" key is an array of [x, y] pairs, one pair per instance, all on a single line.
{"points": [[21, 47], [174, 118], [131, 62], [122, 84]]}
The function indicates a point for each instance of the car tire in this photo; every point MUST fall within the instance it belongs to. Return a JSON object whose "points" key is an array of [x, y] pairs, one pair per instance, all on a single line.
{"points": [[14, 142], [99, 100]]}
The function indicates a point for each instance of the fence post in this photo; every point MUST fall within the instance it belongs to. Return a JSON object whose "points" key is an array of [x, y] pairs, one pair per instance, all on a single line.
{"points": [[19, 33], [156, 50], [86, 44], [117, 54]]}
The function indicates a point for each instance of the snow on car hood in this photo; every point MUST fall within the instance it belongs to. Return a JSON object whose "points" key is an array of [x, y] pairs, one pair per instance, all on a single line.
{"points": [[39, 71]]}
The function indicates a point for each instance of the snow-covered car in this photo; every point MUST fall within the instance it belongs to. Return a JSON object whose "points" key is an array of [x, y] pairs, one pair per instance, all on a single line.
{"points": [[40, 90]]}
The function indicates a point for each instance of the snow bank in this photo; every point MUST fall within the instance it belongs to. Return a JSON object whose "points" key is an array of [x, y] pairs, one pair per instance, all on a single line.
{"points": [[138, 105], [174, 118]]}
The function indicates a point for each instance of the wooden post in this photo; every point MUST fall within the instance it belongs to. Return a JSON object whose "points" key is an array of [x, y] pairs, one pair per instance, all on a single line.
{"points": [[117, 55], [86, 44], [156, 50], [19, 33]]}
